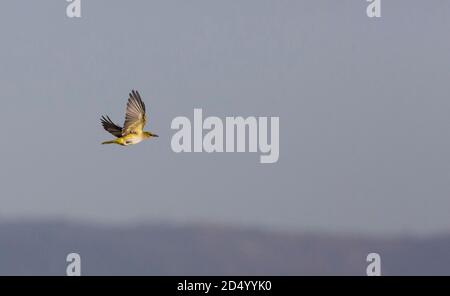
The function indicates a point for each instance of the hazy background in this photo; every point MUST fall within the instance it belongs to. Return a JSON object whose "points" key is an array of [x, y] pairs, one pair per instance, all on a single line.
{"points": [[363, 106]]}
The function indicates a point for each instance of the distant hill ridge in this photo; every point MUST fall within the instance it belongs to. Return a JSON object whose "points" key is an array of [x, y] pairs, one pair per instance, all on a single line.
{"points": [[40, 248]]}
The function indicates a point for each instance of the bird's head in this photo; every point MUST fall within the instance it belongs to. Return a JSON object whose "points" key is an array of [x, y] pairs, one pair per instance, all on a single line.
{"points": [[150, 135]]}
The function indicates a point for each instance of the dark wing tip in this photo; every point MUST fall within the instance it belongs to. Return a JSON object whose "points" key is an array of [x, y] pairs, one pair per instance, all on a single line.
{"points": [[136, 98], [140, 100], [105, 119], [110, 126]]}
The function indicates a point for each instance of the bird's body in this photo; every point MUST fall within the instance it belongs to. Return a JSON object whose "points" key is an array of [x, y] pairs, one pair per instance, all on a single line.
{"points": [[130, 139], [135, 119]]}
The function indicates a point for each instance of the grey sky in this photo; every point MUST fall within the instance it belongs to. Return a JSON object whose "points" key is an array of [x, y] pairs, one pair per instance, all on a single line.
{"points": [[363, 104]]}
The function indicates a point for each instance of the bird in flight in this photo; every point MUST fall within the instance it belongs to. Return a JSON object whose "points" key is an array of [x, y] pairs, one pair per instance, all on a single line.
{"points": [[133, 128]]}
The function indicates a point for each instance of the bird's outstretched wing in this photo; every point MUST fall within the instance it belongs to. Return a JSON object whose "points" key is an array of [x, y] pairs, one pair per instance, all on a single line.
{"points": [[135, 117], [111, 127]]}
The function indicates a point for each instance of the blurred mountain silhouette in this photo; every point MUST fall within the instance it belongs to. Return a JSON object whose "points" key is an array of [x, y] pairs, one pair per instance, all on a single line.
{"points": [[40, 248]]}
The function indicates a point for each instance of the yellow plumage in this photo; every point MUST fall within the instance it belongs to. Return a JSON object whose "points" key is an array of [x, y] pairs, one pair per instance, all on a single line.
{"points": [[135, 120]]}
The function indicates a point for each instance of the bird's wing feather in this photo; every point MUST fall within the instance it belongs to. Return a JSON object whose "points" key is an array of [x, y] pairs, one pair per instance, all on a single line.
{"points": [[135, 117], [111, 127]]}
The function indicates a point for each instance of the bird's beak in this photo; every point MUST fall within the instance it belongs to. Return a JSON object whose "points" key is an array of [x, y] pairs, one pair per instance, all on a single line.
{"points": [[155, 136]]}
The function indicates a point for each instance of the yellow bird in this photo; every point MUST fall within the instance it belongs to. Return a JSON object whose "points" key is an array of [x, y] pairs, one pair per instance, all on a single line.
{"points": [[135, 119]]}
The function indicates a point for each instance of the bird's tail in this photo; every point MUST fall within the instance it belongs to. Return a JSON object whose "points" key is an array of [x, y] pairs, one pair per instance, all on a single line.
{"points": [[109, 142]]}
